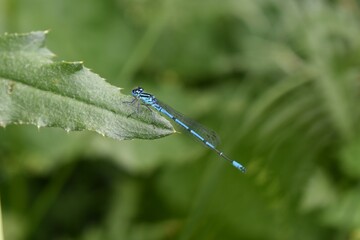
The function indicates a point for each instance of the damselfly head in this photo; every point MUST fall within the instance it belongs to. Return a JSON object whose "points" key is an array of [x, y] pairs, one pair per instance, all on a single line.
{"points": [[137, 91]]}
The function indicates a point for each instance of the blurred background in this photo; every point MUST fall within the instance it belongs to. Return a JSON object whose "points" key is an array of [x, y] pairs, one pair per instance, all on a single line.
{"points": [[277, 80]]}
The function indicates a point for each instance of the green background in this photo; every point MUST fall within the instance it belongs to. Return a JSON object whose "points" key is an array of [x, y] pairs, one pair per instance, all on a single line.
{"points": [[277, 80]]}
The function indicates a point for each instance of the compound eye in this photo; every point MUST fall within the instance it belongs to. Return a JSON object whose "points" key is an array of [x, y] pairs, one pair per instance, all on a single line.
{"points": [[137, 90]]}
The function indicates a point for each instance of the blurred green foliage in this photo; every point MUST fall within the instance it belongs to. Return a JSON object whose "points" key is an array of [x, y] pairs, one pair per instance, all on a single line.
{"points": [[278, 80]]}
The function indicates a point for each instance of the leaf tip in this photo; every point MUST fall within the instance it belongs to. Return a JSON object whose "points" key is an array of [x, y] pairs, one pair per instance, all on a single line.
{"points": [[101, 133], [3, 124]]}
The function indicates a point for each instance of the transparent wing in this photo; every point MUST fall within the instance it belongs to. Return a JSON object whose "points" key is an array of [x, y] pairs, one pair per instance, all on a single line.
{"points": [[208, 134]]}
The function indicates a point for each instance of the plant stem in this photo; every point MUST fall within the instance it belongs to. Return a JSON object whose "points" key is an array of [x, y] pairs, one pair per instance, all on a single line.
{"points": [[144, 46]]}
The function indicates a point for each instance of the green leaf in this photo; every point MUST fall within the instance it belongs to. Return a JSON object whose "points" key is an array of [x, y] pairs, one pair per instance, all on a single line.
{"points": [[36, 90]]}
